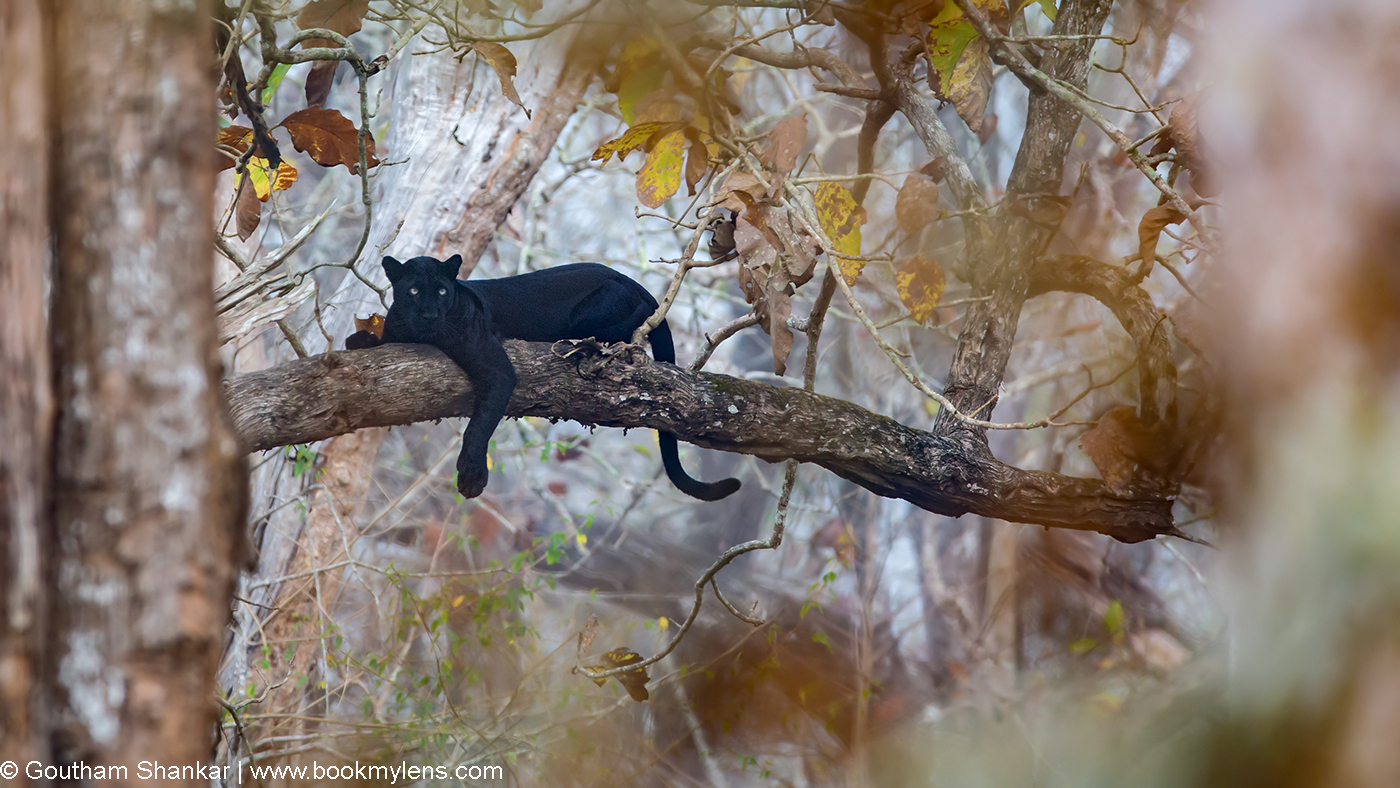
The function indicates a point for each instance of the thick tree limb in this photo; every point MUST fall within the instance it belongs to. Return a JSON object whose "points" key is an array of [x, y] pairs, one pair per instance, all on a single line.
{"points": [[321, 397]]}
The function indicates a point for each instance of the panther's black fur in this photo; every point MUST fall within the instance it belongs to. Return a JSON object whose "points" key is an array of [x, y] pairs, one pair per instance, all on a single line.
{"points": [[468, 320]]}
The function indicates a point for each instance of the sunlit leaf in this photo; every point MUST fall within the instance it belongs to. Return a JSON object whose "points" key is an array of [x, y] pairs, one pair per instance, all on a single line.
{"points": [[634, 138], [266, 180], [660, 176], [920, 282], [841, 219], [373, 324]]}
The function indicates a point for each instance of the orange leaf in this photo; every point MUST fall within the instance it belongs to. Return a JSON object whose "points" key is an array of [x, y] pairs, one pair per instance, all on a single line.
{"points": [[373, 324], [236, 137], [328, 137]]}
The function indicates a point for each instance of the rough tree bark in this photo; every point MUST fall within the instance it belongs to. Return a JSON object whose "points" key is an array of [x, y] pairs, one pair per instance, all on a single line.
{"points": [[149, 484], [318, 398], [26, 395]]}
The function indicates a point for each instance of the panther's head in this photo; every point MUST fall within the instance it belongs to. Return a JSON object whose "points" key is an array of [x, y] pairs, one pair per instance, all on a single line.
{"points": [[425, 289]]}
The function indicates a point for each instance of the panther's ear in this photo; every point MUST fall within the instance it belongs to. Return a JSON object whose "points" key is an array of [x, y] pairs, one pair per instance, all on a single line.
{"points": [[393, 269], [450, 267]]}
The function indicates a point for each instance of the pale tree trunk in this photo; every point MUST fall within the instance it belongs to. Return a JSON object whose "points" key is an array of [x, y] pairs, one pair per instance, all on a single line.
{"points": [[468, 155], [26, 399], [148, 485]]}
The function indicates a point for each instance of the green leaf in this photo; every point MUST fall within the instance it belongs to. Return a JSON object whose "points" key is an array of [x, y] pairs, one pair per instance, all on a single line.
{"points": [[1083, 646], [821, 638], [1113, 618], [273, 81]]}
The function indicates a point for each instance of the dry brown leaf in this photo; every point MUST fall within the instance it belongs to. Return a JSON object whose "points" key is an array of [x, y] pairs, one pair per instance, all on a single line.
{"points": [[787, 139], [697, 161], [504, 64], [247, 211], [328, 137], [917, 204], [936, 169], [1111, 444], [1185, 136], [1150, 230], [341, 16]]}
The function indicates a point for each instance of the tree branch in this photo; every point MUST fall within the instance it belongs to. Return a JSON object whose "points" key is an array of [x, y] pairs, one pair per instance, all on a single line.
{"points": [[330, 395]]}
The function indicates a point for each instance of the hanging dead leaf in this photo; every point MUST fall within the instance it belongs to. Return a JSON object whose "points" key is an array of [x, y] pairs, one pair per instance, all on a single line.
{"points": [[722, 237], [971, 85], [841, 219], [936, 169], [1185, 137], [266, 180], [247, 212], [635, 137], [374, 324], [1112, 447], [504, 63], [696, 162], [660, 176], [917, 204], [634, 681], [1150, 230], [786, 141], [235, 137], [328, 137], [921, 282], [739, 182], [342, 16]]}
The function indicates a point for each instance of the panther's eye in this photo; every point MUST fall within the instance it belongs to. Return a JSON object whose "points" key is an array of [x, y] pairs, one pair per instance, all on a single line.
{"points": [[413, 291], [442, 291]]}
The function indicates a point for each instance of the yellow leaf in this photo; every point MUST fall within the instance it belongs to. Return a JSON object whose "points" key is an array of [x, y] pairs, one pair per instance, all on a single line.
{"points": [[660, 177], [920, 282], [841, 218], [663, 623], [635, 138], [265, 182], [582, 539], [639, 71], [457, 602]]}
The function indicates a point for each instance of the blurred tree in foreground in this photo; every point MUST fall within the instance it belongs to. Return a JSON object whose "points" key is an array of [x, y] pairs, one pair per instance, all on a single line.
{"points": [[1162, 302]]}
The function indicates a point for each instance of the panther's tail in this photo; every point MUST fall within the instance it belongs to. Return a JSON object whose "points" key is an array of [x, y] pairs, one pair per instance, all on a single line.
{"points": [[663, 349]]}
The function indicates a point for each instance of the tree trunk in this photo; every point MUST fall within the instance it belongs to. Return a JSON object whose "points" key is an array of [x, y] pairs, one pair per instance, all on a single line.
{"points": [[149, 488], [26, 397]]}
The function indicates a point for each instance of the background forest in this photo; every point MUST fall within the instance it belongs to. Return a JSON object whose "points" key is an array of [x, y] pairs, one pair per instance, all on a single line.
{"points": [[1054, 343]]}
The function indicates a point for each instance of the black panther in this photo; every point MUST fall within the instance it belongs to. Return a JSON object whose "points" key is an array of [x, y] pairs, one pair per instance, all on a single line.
{"points": [[468, 320]]}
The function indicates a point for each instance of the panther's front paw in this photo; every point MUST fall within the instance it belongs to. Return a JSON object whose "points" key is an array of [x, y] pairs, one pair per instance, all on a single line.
{"points": [[471, 480], [361, 340]]}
